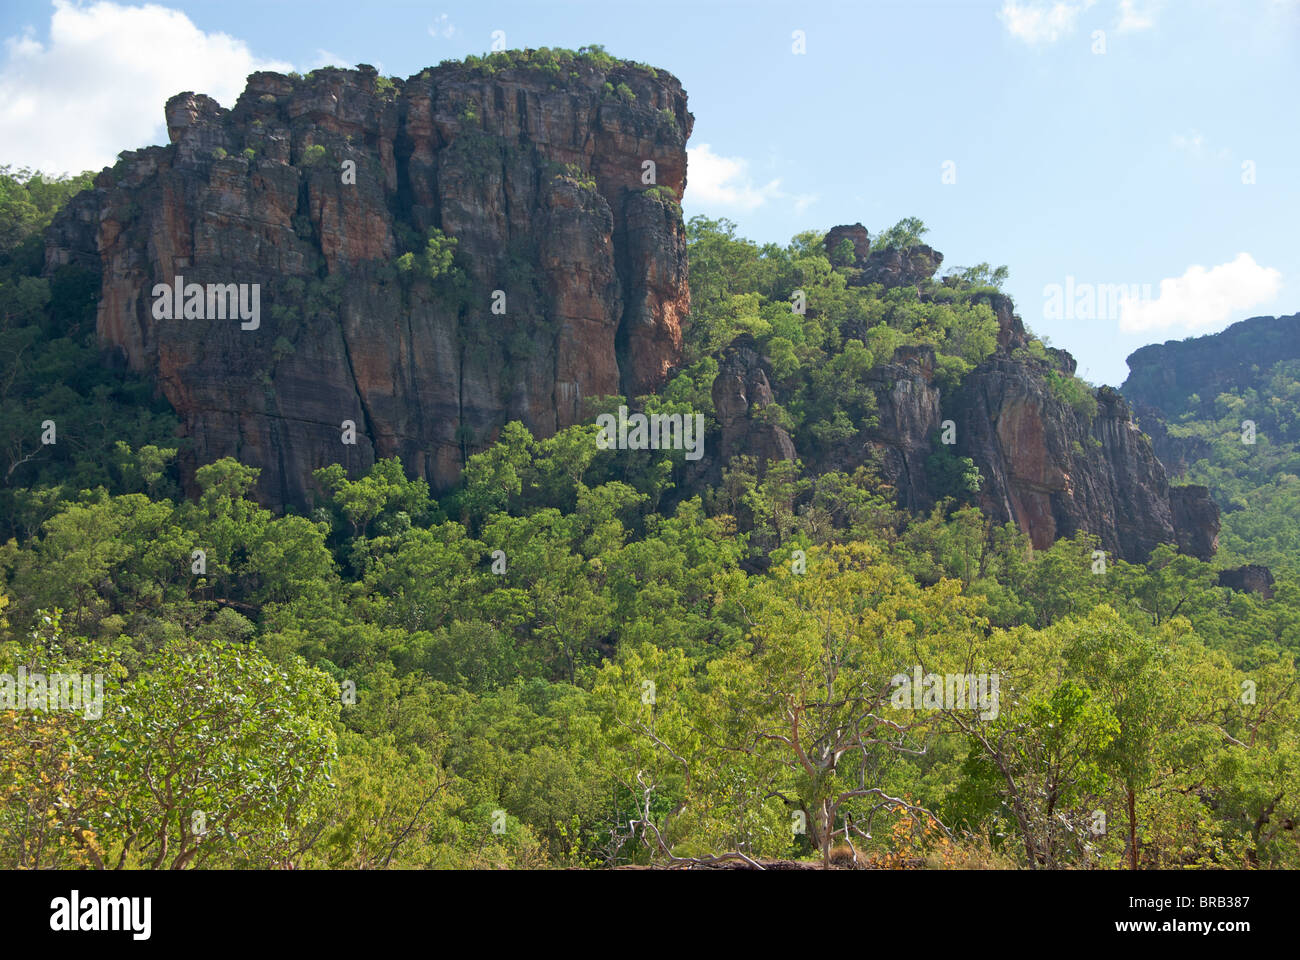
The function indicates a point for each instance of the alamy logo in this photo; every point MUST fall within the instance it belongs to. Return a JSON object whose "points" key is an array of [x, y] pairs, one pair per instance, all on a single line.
{"points": [[70, 914], [56, 691], [1091, 301], [657, 431], [952, 691], [213, 301]]}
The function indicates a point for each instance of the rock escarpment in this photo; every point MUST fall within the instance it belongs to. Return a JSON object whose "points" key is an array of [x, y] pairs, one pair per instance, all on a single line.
{"points": [[541, 179], [1252, 578], [1169, 380], [1048, 467], [1055, 471], [1165, 376], [477, 244]]}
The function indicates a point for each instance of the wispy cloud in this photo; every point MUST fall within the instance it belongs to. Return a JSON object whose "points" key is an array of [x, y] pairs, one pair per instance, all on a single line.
{"points": [[324, 58], [1038, 22], [442, 27], [1202, 299], [725, 182], [1194, 142], [1134, 16]]}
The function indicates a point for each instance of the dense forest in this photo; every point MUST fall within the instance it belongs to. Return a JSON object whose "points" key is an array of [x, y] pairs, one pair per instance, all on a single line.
{"points": [[590, 658]]}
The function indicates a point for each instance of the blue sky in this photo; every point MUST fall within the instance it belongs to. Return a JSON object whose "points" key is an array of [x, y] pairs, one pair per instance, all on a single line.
{"points": [[1092, 142]]}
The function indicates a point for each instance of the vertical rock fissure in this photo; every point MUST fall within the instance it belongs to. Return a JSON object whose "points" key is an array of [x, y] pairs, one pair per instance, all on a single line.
{"points": [[367, 420], [462, 431], [621, 271]]}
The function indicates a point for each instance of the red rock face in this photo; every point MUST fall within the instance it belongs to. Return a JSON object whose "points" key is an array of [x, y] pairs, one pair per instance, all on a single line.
{"points": [[541, 181], [1045, 467], [1055, 472]]}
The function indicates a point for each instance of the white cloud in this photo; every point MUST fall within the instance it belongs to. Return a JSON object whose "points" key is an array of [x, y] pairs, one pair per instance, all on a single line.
{"points": [[442, 27], [1039, 21], [1201, 299], [324, 58], [716, 181], [328, 58], [98, 85], [1133, 18]]}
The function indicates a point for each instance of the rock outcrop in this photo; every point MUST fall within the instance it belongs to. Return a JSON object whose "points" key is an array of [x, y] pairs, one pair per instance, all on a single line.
{"points": [[573, 267], [1169, 380], [859, 244], [1055, 471], [891, 267], [1252, 578], [1048, 467], [741, 391], [440, 255]]}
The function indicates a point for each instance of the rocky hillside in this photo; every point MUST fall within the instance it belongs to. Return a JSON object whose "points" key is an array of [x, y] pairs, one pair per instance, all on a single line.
{"points": [[1165, 376], [1178, 378], [439, 256], [1224, 410], [1050, 468], [566, 278]]}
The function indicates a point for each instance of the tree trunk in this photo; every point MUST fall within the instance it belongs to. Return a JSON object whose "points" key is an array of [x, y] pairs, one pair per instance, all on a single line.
{"points": [[823, 815], [1132, 828]]}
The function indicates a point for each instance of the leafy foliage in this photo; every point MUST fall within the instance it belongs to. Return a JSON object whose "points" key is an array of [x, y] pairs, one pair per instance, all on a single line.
{"points": [[569, 661]]}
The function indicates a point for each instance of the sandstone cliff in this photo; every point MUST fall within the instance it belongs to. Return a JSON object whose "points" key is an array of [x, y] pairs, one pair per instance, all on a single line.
{"points": [[1164, 376], [1055, 471], [539, 176], [440, 255], [1168, 380], [1046, 466]]}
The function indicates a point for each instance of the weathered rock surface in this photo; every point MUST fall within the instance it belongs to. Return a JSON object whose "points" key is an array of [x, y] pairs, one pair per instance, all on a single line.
{"points": [[539, 180], [1047, 467], [897, 268], [1167, 380], [740, 392], [1252, 578], [907, 417], [1196, 520], [1055, 472]]}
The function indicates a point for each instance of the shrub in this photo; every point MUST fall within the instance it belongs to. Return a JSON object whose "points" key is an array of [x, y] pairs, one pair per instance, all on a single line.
{"points": [[1075, 392], [906, 233], [663, 194], [953, 476], [436, 260]]}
